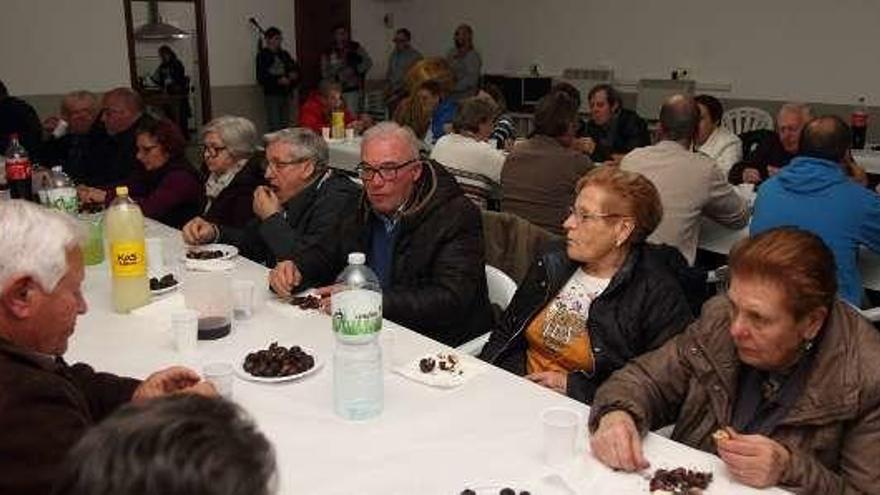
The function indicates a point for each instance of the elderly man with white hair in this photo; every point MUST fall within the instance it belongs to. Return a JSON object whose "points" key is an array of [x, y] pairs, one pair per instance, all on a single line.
{"points": [[420, 234], [303, 201], [46, 405], [776, 150], [71, 133]]}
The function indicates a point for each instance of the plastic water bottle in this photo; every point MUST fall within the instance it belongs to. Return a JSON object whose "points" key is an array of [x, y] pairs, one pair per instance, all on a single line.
{"points": [[61, 193], [124, 225], [356, 306]]}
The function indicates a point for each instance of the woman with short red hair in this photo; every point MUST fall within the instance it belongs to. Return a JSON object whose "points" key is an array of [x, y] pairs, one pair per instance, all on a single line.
{"points": [[779, 377], [604, 296], [165, 185]]}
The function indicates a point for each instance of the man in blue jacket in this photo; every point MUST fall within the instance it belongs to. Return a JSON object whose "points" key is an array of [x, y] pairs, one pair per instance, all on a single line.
{"points": [[814, 193]]}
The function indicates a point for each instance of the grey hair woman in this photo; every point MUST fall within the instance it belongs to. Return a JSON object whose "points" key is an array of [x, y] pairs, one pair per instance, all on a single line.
{"points": [[233, 169]]}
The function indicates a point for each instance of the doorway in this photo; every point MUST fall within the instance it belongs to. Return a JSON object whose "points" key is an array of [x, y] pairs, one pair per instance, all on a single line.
{"points": [[315, 20]]}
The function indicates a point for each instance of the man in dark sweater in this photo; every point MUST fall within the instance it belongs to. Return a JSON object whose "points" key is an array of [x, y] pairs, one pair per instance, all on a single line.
{"points": [[18, 117], [46, 405], [111, 155], [71, 133], [421, 235], [776, 150], [303, 202]]}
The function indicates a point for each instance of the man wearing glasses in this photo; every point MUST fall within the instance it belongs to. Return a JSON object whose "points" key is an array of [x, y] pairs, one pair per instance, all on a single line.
{"points": [[302, 203], [421, 235]]}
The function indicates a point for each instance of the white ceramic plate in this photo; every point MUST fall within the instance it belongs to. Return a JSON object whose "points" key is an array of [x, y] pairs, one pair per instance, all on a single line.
{"points": [[229, 252], [244, 375]]}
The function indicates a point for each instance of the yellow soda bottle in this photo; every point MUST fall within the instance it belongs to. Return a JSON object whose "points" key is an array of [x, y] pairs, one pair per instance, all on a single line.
{"points": [[124, 225]]}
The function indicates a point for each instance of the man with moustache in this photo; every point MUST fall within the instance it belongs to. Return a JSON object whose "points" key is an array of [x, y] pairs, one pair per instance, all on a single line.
{"points": [[302, 203], [421, 236]]}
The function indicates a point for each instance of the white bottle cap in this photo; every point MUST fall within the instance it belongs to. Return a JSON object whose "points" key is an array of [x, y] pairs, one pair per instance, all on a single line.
{"points": [[357, 258]]}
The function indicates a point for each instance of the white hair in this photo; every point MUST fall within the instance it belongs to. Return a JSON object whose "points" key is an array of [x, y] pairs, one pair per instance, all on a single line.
{"points": [[35, 241], [801, 109], [388, 129], [306, 144], [237, 133]]}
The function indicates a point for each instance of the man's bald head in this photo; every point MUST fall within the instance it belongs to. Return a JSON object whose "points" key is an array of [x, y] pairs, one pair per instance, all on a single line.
{"points": [[827, 137], [679, 117], [121, 107]]}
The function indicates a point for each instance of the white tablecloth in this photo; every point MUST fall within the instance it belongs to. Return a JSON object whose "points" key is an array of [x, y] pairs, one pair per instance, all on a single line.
{"points": [[719, 239], [427, 441], [345, 154]]}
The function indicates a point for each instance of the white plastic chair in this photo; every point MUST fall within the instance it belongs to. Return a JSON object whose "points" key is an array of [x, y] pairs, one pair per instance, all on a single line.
{"points": [[745, 119], [501, 290]]}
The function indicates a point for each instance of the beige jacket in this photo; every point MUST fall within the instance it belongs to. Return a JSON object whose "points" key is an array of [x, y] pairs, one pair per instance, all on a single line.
{"points": [[690, 185], [832, 430]]}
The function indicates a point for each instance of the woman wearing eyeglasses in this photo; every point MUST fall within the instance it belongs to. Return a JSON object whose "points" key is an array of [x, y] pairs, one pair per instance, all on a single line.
{"points": [[165, 185], [233, 169], [587, 307]]}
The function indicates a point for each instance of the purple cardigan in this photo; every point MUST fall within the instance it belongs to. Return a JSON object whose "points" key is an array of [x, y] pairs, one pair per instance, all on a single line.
{"points": [[172, 194]]}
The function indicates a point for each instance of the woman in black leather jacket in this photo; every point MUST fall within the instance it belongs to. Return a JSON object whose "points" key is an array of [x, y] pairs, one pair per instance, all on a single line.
{"points": [[606, 296]]}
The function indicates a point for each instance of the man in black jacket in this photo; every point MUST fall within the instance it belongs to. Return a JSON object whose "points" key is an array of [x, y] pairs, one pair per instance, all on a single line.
{"points": [[421, 236], [71, 133], [303, 202], [278, 74], [111, 156]]}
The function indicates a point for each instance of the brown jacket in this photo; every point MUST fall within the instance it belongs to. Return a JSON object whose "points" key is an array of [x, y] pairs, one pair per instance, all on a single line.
{"points": [[538, 180], [832, 430], [45, 407]]}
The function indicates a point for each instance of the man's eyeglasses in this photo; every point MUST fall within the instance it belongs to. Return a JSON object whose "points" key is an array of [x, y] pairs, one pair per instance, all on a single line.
{"points": [[387, 171], [278, 165], [581, 217], [212, 151]]}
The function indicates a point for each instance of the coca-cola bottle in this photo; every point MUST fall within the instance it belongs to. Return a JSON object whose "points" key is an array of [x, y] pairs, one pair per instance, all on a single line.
{"points": [[18, 171], [859, 123]]}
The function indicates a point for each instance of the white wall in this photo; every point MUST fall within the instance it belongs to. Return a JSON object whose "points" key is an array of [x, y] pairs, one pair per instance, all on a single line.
{"points": [[54, 46], [776, 49]]}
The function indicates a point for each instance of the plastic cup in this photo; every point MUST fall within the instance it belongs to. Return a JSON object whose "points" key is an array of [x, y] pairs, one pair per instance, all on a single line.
{"points": [[220, 375], [185, 328], [93, 248], [243, 293], [155, 259], [561, 426], [325, 133]]}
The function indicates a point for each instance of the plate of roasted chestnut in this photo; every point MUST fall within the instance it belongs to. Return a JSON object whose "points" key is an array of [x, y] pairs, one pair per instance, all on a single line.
{"points": [[163, 285], [278, 363], [211, 252]]}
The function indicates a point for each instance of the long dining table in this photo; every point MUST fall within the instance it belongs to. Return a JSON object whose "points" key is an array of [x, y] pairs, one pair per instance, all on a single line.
{"points": [[484, 434]]}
